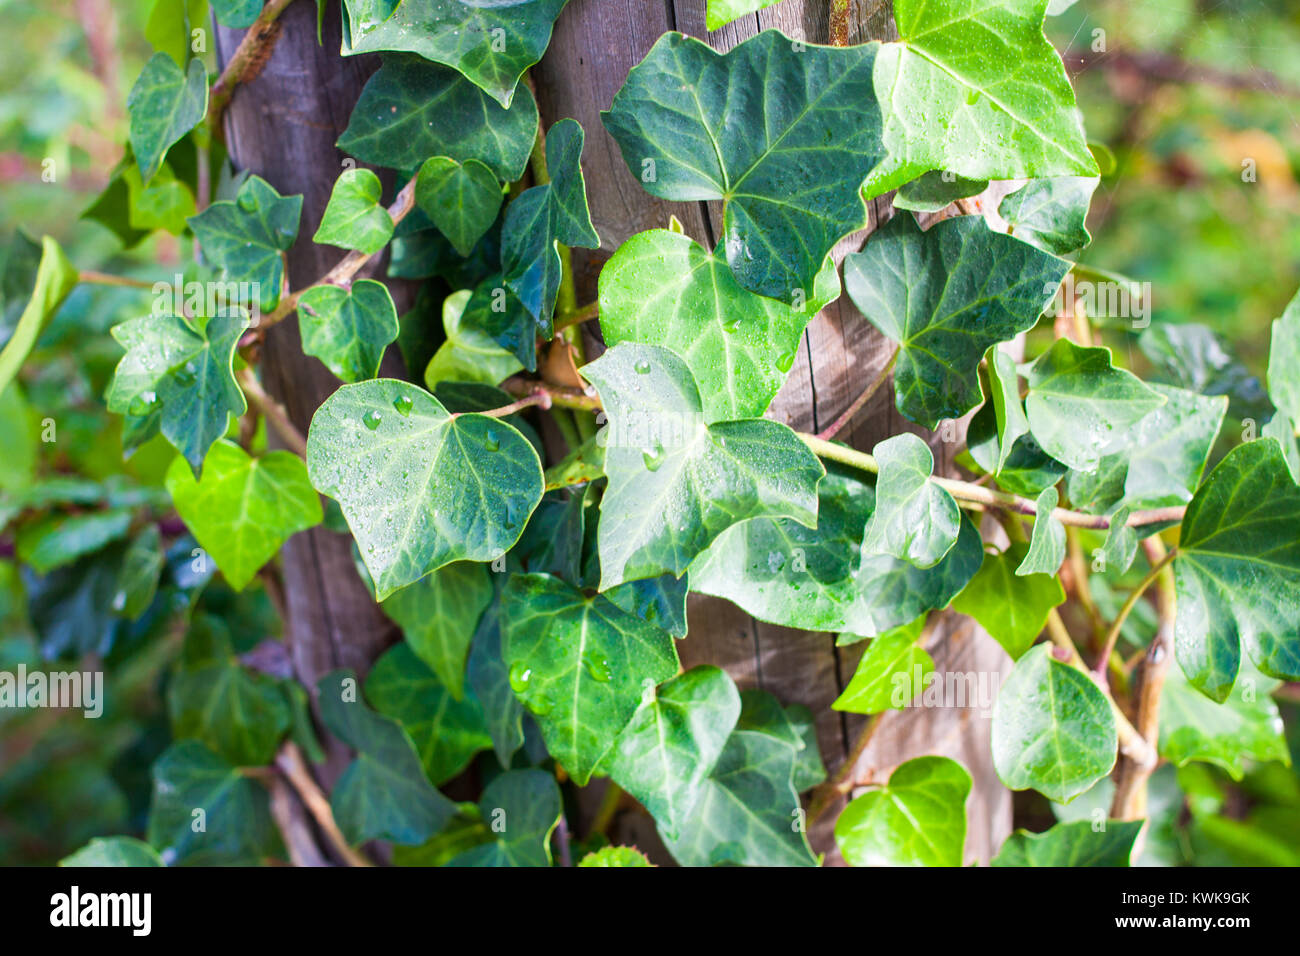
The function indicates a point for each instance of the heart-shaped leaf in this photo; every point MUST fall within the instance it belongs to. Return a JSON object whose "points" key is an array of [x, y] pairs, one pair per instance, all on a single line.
{"points": [[1078, 843], [165, 103], [890, 673], [914, 520], [917, 819], [1012, 607], [438, 615], [462, 199], [354, 217], [527, 805], [348, 329]]}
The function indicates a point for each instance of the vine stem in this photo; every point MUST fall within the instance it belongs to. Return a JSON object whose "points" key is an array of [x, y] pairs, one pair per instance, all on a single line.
{"points": [[585, 314], [246, 62], [290, 763], [273, 412], [843, 781], [847, 415], [840, 22], [1112, 637], [539, 398], [103, 278]]}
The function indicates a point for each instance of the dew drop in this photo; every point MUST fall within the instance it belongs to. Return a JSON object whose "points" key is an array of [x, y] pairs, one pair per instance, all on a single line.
{"points": [[520, 675], [786, 361], [371, 419], [403, 404], [642, 367], [653, 457], [598, 668], [490, 441]]}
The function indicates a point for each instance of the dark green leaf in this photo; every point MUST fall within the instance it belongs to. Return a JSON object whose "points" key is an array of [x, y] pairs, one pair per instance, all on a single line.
{"points": [[247, 235], [438, 615], [462, 199], [114, 851], [165, 103], [521, 809], [489, 678], [55, 540], [348, 329]]}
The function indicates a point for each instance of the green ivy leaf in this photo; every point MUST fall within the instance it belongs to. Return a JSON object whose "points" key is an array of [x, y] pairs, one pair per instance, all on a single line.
{"points": [[989, 79], [1081, 407], [1284, 361], [447, 732], [1244, 728], [672, 743], [354, 217], [140, 573], [1072, 844], [1008, 409], [491, 44], [238, 830], [783, 133], [462, 199], [914, 519], [237, 14], [543, 216], [1238, 572], [383, 794], [438, 615], [169, 26], [420, 487], [890, 673], [165, 103], [348, 329], [470, 354], [491, 316], [917, 819], [243, 509], [936, 191], [33, 284], [489, 678], [1047, 542], [579, 664], [615, 856], [114, 851], [1120, 547], [247, 235], [718, 13], [661, 601], [675, 482], [945, 296], [54, 540], [663, 288], [180, 378], [166, 203], [1026, 470], [1012, 607], [1053, 729], [527, 804], [1051, 213], [412, 109]]}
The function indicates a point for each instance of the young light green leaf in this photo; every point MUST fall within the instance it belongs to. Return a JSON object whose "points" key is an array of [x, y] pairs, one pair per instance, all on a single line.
{"points": [[420, 487], [447, 732], [246, 237], [986, 76], [490, 44], [438, 615], [1081, 407], [1238, 572], [718, 13], [462, 199], [114, 851], [243, 508], [528, 803], [1078, 843], [383, 794], [35, 283], [1053, 729], [1012, 607], [179, 379], [165, 103], [348, 329], [354, 217], [1047, 542], [945, 296], [412, 109], [615, 856], [1120, 547], [579, 664], [663, 288], [471, 353], [917, 819], [1008, 409], [782, 132], [675, 482], [672, 743], [914, 519], [1284, 361], [1051, 213], [890, 673], [169, 26]]}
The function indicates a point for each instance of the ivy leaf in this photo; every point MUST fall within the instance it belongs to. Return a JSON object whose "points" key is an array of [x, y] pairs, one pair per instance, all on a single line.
{"points": [[1238, 572], [663, 288], [1284, 361], [54, 540], [1051, 213], [412, 109], [491, 44], [247, 235], [1047, 542], [438, 615], [354, 217], [420, 487], [1081, 407], [676, 483], [1053, 729], [489, 678], [181, 377], [890, 673], [348, 329], [491, 316], [672, 743], [945, 296], [237, 14], [114, 851], [782, 133], [809, 768], [383, 794], [238, 830], [579, 664], [34, 281], [462, 199], [1244, 728], [917, 819], [661, 601], [914, 519], [169, 26], [470, 353], [447, 732], [1012, 607], [1120, 547], [165, 103], [1072, 844], [989, 79], [718, 13], [1026, 470], [527, 804], [615, 856], [1191, 356], [543, 216], [139, 575], [243, 509], [936, 191], [1008, 409]]}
